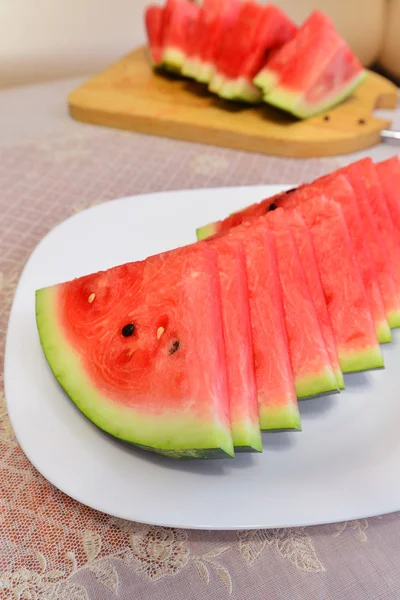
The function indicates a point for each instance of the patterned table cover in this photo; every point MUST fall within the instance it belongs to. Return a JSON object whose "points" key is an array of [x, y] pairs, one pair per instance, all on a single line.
{"points": [[52, 547]]}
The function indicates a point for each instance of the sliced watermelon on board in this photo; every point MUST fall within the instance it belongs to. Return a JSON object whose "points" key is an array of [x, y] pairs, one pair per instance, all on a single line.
{"points": [[140, 350], [219, 17], [317, 71], [338, 188], [352, 324], [379, 233], [258, 30], [305, 248], [312, 28], [312, 369], [154, 21], [388, 172], [277, 402], [245, 423], [180, 19]]}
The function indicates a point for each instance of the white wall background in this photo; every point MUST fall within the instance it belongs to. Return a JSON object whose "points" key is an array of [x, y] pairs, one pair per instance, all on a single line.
{"points": [[47, 39]]}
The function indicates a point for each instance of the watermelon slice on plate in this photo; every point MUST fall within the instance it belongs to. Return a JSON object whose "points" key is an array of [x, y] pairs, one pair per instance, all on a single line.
{"points": [[312, 369], [257, 31], [140, 350], [379, 232], [277, 402], [154, 21], [388, 172], [179, 24], [316, 72], [338, 188], [352, 324], [238, 344], [305, 248]]}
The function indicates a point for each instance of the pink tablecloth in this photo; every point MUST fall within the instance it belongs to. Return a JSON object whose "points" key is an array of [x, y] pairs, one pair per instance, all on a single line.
{"points": [[53, 548]]}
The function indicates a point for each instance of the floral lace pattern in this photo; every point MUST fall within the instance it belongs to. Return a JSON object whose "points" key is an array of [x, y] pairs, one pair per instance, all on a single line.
{"points": [[53, 548]]}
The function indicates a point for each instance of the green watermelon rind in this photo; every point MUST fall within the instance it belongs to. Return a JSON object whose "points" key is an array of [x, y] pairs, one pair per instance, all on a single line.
{"points": [[182, 437], [361, 360], [316, 384], [240, 89], [246, 437], [293, 102], [383, 332], [206, 231], [393, 318], [266, 80], [173, 59], [281, 417]]}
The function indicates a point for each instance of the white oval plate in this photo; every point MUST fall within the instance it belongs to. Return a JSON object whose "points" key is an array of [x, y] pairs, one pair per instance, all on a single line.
{"points": [[344, 465]]}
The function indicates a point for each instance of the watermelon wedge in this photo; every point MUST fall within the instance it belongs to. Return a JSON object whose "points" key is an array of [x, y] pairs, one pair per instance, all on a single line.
{"points": [[352, 324], [238, 344], [379, 232], [305, 248], [316, 70], [388, 172], [276, 394], [257, 31], [178, 26], [154, 21], [312, 370], [338, 188], [218, 19], [140, 350]]}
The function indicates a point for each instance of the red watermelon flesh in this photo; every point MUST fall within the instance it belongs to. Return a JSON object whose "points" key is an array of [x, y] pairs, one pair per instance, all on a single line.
{"points": [[245, 423], [312, 370], [312, 30], [321, 72], [208, 17], [219, 21], [233, 52], [338, 188], [276, 394], [140, 350], [179, 24], [154, 16], [378, 230], [388, 172], [305, 248], [258, 30], [352, 324]]}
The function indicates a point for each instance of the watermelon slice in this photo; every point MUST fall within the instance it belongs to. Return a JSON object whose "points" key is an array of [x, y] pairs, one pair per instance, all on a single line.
{"points": [[312, 370], [217, 18], [317, 70], [276, 394], [154, 16], [140, 350], [353, 327], [238, 344], [388, 172], [338, 188], [378, 230], [178, 26], [305, 248], [257, 31]]}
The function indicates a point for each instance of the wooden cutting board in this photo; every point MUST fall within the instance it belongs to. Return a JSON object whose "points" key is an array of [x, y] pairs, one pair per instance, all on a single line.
{"points": [[128, 95]]}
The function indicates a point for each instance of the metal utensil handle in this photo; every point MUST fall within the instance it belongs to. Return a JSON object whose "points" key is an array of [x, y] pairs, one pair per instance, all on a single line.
{"points": [[390, 136]]}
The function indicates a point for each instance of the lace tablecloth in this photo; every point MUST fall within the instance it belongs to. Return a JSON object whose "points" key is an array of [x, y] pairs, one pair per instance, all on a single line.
{"points": [[53, 548]]}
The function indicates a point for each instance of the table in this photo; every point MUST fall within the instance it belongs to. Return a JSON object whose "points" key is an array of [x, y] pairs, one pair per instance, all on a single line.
{"points": [[53, 548]]}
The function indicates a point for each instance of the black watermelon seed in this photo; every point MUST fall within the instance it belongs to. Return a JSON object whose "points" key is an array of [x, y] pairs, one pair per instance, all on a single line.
{"points": [[174, 347], [272, 206], [128, 330]]}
